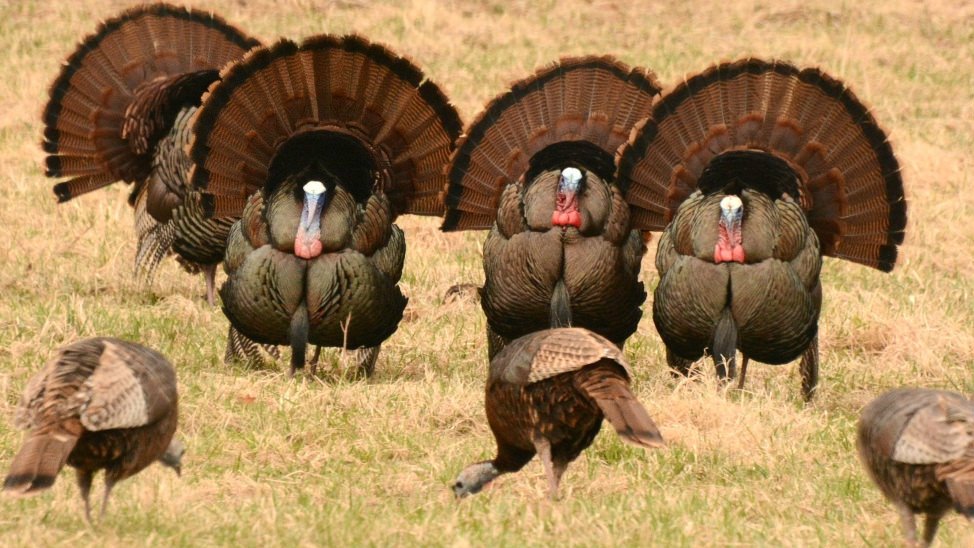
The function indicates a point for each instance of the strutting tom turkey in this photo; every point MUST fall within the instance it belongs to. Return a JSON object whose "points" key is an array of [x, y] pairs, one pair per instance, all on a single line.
{"points": [[319, 146], [547, 394], [121, 110], [100, 404], [753, 170], [537, 169], [918, 446]]}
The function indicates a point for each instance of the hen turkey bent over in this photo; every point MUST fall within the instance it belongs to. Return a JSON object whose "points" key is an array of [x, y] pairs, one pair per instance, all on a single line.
{"points": [[753, 170], [100, 404], [918, 446], [121, 109], [330, 140], [547, 393], [537, 167]]}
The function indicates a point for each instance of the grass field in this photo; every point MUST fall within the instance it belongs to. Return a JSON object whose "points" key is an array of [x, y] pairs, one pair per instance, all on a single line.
{"points": [[330, 461]]}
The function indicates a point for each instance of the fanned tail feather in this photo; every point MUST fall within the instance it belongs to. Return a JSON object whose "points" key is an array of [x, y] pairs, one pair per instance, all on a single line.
{"points": [[331, 99], [578, 109], [117, 92], [849, 180]]}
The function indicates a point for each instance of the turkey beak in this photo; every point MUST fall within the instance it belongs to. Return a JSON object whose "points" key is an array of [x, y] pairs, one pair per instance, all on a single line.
{"points": [[307, 243], [179, 470]]}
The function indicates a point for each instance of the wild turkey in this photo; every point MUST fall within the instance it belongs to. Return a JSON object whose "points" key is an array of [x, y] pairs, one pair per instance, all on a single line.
{"points": [[918, 446], [121, 109], [330, 140], [536, 168], [753, 170], [100, 404], [547, 393]]}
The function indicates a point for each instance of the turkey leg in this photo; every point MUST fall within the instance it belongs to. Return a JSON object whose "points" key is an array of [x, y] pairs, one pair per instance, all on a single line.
{"points": [[809, 370], [552, 472], [209, 273]]}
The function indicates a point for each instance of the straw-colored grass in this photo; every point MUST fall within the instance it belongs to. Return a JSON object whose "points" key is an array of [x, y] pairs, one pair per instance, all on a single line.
{"points": [[334, 462]]}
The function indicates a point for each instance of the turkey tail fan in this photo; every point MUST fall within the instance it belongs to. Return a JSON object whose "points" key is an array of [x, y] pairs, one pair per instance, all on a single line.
{"points": [[578, 109], [343, 101], [849, 181], [115, 93]]}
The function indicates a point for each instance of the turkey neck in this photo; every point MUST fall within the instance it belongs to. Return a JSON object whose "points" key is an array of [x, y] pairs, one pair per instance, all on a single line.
{"points": [[729, 247], [307, 242], [310, 225]]}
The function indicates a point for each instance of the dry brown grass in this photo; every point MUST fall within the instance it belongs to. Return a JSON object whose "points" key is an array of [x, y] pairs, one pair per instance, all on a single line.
{"points": [[273, 462]]}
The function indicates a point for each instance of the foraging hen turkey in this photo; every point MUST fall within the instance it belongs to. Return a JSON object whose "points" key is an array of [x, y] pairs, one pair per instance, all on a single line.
{"points": [[753, 170], [100, 404], [320, 145], [547, 393], [121, 110], [536, 168], [918, 446]]}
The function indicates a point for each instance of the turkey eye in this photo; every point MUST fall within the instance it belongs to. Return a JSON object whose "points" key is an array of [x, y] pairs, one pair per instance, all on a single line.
{"points": [[458, 485]]}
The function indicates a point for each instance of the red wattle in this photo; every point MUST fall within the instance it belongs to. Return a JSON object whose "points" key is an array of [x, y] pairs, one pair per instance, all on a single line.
{"points": [[305, 247], [737, 254], [573, 218], [728, 248], [566, 211]]}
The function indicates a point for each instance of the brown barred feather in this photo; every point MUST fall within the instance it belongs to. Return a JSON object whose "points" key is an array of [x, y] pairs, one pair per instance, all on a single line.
{"points": [[850, 182], [155, 240], [595, 100], [547, 394], [918, 447], [100, 404], [545, 354], [282, 101], [118, 91]]}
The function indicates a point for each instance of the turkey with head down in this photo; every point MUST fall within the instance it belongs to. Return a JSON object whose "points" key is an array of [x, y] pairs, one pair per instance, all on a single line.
{"points": [[319, 146], [121, 110], [918, 446], [100, 404], [536, 168], [547, 394], [753, 170]]}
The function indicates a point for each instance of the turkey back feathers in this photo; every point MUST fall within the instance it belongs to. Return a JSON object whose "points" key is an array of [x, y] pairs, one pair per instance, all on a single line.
{"points": [[577, 111], [848, 180]]}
